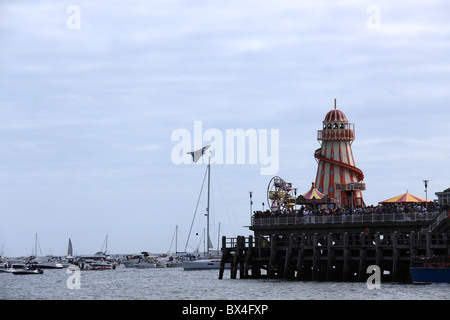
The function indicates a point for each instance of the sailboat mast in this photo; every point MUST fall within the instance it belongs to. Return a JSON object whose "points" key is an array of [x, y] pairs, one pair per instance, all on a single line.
{"points": [[207, 213]]}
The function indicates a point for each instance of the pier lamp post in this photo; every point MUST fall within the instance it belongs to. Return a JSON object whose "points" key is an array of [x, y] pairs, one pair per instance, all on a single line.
{"points": [[251, 204], [295, 197], [426, 194]]}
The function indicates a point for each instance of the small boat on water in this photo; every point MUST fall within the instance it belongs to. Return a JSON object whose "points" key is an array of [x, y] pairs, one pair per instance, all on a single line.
{"points": [[27, 269], [168, 262], [97, 265], [49, 262], [430, 269], [97, 261], [192, 262], [6, 270], [202, 264], [140, 261]]}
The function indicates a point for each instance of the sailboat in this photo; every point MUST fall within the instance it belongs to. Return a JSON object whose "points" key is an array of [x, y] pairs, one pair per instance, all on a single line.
{"points": [[47, 262], [208, 261], [167, 260], [97, 261]]}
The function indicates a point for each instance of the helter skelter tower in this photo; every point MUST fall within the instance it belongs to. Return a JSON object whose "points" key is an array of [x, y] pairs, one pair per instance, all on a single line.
{"points": [[337, 176]]}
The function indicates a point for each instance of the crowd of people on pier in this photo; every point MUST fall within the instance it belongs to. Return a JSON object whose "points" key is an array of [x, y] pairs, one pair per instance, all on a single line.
{"points": [[388, 208]]}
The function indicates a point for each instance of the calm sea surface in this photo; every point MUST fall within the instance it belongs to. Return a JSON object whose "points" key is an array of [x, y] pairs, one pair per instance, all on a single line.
{"points": [[177, 284]]}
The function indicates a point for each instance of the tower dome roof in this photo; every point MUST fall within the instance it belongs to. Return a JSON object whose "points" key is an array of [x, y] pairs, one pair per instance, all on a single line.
{"points": [[335, 115]]}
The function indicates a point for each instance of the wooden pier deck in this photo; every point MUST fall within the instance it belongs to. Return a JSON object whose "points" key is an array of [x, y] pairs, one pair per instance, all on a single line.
{"points": [[330, 253]]}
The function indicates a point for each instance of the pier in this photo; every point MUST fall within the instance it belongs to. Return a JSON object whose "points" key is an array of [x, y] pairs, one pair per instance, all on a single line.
{"points": [[329, 233], [338, 248]]}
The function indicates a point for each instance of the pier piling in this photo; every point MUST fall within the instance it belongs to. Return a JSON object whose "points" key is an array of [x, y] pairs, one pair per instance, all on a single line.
{"points": [[330, 257], [324, 249]]}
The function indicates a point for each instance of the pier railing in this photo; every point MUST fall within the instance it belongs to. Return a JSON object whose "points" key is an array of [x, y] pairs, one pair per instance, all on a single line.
{"points": [[340, 219]]}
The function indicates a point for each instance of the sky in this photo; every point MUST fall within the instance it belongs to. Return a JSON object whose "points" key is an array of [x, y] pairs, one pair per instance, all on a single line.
{"points": [[91, 93]]}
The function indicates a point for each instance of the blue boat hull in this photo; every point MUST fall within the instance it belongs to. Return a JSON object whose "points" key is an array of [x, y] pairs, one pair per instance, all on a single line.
{"points": [[430, 275]]}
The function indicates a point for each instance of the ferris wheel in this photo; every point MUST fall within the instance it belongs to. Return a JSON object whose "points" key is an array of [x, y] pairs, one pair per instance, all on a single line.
{"points": [[279, 195]]}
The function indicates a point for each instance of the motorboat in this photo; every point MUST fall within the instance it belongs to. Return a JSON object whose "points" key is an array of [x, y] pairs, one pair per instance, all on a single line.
{"points": [[140, 261], [29, 269], [144, 265], [168, 262], [6, 270], [98, 261], [430, 269], [92, 264], [50, 263]]}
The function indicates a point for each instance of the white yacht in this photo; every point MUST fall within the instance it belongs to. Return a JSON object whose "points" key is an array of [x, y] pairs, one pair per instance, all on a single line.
{"points": [[202, 264]]}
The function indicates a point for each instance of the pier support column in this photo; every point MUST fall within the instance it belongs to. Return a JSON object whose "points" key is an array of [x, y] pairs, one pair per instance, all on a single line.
{"points": [[412, 250], [224, 257], [273, 255], [346, 269], [316, 255], [378, 250], [288, 272], [300, 256], [234, 263], [395, 257], [241, 257], [428, 239], [248, 256], [330, 257], [362, 257], [260, 245], [412, 244]]}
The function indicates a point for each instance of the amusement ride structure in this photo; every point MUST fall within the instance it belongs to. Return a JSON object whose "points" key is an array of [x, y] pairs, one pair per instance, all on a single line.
{"points": [[337, 176], [338, 180], [280, 195]]}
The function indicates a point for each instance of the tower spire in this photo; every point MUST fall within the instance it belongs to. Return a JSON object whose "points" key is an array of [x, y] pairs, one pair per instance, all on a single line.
{"points": [[334, 103]]}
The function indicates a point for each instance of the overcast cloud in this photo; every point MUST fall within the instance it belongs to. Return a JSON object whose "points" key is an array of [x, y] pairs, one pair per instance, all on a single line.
{"points": [[86, 114]]}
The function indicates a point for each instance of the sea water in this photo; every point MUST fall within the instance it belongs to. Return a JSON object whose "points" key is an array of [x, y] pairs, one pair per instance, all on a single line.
{"points": [[177, 284]]}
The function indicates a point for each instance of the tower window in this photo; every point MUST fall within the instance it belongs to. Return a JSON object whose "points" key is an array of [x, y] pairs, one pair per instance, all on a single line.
{"points": [[341, 126], [335, 126]]}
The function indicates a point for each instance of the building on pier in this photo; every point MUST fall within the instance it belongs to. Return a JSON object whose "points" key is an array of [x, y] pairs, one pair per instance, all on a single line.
{"points": [[443, 197], [337, 176]]}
